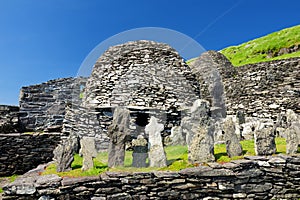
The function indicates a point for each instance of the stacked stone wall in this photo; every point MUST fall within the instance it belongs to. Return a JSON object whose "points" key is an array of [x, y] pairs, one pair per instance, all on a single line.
{"points": [[9, 119], [254, 178], [261, 90], [42, 106], [22, 152]]}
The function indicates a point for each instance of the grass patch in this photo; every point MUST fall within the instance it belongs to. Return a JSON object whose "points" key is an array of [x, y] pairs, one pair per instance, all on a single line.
{"points": [[1, 190], [76, 168], [280, 145], [264, 48], [177, 159]]}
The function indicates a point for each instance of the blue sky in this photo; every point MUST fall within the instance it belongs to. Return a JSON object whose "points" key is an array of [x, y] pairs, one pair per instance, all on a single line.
{"points": [[48, 39]]}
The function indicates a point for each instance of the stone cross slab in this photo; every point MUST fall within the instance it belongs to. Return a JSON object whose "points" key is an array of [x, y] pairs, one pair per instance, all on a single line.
{"points": [[157, 155]]}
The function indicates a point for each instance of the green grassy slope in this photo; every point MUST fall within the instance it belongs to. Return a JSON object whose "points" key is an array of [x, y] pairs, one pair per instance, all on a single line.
{"points": [[266, 48]]}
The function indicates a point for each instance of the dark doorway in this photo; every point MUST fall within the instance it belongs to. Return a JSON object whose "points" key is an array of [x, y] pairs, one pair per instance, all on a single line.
{"points": [[142, 119]]}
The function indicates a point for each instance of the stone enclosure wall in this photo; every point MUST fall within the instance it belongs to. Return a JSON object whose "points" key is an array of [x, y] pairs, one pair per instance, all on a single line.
{"points": [[22, 152], [253, 178], [42, 106], [9, 119], [261, 90]]}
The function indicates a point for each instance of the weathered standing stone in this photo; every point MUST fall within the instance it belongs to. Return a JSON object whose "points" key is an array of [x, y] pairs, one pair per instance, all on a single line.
{"points": [[264, 142], [119, 133], [88, 152], [157, 155], [292, 139], [177, 136], [291, 117], [201, 148], [199, 131], [198, 116], [140, 152], [233, 147], [63, 154]]}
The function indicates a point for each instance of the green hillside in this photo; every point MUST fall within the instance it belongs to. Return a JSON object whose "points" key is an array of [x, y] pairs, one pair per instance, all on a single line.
{"points": [[278, 45]]}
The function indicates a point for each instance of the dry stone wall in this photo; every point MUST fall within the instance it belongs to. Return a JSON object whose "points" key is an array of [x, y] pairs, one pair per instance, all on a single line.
{"points": [[9, 119], [42, 106], [254, 178], [22, 152], [261, 90]]}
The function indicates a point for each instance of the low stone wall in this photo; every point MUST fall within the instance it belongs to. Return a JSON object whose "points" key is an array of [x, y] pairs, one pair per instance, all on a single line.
{"points": [[253, 178], [9, 119], [22, 152]]}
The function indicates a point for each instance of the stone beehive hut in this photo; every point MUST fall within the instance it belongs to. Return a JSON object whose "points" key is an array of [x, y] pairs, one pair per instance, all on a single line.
{"points": [[146, 77], [141, 73]]}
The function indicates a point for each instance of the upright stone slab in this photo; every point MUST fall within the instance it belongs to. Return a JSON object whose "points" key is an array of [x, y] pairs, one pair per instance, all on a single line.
{"points": [[292, 139], [264, 142], [88, 152], [291, 117], [233, 146], [157, 155], [63, 154], [177, 136], [198, 115], [201, 148], [241, 119], [119, 133], [140, 152], [199, 131]]}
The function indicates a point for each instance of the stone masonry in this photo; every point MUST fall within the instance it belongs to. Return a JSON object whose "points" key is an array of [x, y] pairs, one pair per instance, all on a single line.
{"points": [[254, 178], [22, 152], [42, 106], [146, 77], [261, 90], [9, 119]]}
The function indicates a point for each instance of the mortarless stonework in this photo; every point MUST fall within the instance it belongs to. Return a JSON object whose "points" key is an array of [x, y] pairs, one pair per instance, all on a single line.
{"points": [[256, 177], [22, 152], [261, 90], [42, 106], [9, 119], [147, 78]]}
